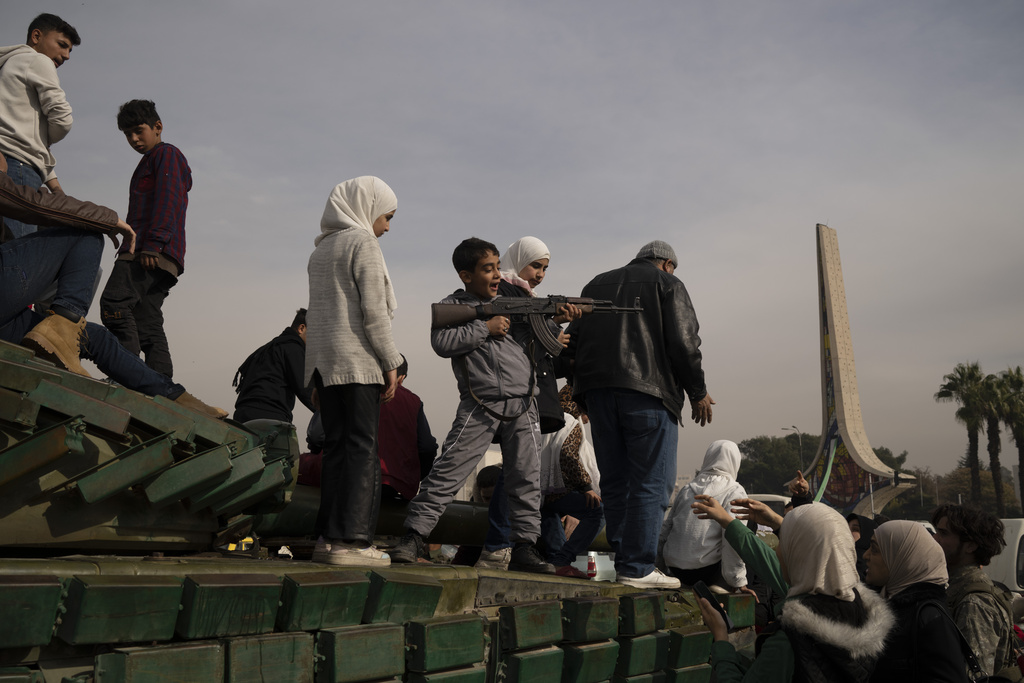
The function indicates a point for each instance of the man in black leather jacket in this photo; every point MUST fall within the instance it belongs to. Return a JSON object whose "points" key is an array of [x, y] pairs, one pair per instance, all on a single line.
{"points": [[630, 373]]}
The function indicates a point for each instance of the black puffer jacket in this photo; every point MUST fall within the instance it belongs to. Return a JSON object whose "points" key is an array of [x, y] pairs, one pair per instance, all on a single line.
{"points": [[656, 352], [924, 647]]}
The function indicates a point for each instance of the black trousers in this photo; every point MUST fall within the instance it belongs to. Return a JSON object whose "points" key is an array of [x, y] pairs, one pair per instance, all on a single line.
{"points": [[131, 307], [350, 477]]}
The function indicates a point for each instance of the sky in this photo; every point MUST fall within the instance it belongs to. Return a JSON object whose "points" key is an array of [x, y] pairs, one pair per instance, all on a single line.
{"points": [[727, 129]]}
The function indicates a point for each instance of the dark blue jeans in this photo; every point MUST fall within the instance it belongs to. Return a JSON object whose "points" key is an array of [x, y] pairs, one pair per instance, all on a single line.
{"points": [[30, 264], [557, 549], [635, 439], [22, 174]]}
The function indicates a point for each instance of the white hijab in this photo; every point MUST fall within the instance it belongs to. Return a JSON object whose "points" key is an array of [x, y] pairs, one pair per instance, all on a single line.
{"points": [[718, 472], [357, 203], [520, 254], [911, 554], [817, 549]]}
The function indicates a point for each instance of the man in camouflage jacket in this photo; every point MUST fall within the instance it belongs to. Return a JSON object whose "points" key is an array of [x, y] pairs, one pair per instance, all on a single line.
{"points": [[969, 539]]}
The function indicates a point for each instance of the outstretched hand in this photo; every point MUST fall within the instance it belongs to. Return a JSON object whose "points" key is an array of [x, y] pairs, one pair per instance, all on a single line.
{"points": [[706, 507], [748, 508], [799, 486]]}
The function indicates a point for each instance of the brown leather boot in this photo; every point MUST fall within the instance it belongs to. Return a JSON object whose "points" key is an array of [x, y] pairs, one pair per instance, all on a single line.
{"points": [[187, 400], [58, 340]]}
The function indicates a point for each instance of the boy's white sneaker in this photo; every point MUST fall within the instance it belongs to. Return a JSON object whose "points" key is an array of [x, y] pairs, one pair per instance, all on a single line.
{"points": [[348, 555], [496, 559], [653, 580]]}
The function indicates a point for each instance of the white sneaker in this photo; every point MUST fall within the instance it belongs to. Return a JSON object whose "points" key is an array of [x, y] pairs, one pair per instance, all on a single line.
{"points": [[347, 555], [497, 559], [653, 580]]}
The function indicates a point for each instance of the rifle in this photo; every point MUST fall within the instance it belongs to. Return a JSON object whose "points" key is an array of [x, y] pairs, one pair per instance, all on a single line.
{"points": [[532, 310]]}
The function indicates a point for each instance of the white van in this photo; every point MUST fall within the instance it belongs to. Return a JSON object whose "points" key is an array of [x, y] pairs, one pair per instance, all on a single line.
{"points": [[1008, 566]]}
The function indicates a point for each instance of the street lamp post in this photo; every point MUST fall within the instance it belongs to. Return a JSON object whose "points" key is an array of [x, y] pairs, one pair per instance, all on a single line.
{"points": [[800, 444]]}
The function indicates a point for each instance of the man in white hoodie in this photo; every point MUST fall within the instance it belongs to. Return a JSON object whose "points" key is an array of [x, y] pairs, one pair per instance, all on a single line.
{"points": [[34, 113]]}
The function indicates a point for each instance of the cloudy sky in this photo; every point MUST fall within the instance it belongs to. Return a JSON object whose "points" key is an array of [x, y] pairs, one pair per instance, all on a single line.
{"points": [[727, 129]]}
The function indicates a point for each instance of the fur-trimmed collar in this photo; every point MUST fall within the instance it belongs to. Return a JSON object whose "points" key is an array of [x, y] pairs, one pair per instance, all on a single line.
{"points": [[866, 640]]}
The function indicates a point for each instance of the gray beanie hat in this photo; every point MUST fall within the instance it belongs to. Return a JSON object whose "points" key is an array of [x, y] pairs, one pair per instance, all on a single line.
{"points": [[659, 250]]}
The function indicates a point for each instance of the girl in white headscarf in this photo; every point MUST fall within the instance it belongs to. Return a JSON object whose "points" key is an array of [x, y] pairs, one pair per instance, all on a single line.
{"points": [[910, 566], [352, 360], [693, 549], [833, 628]]}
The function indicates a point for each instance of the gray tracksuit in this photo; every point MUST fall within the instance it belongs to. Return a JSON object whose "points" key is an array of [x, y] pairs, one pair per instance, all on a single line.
{"points": [[499, 372]]}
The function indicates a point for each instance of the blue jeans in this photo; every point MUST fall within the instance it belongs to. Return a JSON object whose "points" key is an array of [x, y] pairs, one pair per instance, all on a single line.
{"points": [[635, 439], [557, 550], [499, 531], [30, 264], [22, 174]]}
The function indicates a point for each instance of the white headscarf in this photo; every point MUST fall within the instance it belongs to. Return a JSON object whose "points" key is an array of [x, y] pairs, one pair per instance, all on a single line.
{"points": [[357, 203], [817, 548], [718, 472], [911, 554], [520, 254]]}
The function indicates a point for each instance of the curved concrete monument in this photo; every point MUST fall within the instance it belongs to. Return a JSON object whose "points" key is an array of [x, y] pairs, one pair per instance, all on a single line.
{"points": [[845, 472]]}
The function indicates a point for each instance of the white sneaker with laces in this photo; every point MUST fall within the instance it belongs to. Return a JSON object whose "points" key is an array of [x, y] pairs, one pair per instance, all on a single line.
{"points": [[348, 555], [653, 580], [496, 559]]}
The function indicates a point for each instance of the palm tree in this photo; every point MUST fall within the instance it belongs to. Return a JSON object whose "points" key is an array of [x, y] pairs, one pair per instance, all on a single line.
{"points": [[964, 386], [1013, 416], [993, 407]]}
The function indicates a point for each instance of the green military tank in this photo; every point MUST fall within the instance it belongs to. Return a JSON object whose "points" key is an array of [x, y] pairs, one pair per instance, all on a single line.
{"points": [[116, 511]]}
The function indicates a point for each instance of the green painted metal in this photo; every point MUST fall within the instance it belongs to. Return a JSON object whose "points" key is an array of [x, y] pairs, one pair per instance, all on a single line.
{"points": [[542, 665], [213, 432], [322, 600], [740, 608], [246, 468], [444, 643], [360, 653], [397, 597], [681, 610], [653, 677], [688, 648], [470, 674], [529, 625], [590, 662], [120, 609], [131, 467], [643, 654], [691, 674], [41, 449], [95, 412], [14, 352], [28, 608], [16, 407], [199, 662], [215, 605], [641, 613], [20, 674], [151, 415], [271, 478], [285, 657], [189, 476], [21, 377], [590, 619]]}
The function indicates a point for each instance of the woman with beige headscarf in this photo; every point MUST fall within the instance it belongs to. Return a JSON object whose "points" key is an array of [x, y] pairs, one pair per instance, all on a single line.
{"points": [[906, 561], [833, 628], [352, 361]]}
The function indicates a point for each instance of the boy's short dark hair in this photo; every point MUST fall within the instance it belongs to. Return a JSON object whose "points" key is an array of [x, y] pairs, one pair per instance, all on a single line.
{"points": [[974, 525], [488, 476], [51, 22], [299, 319], [469, 252], [403, 369], [136, 113]]}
